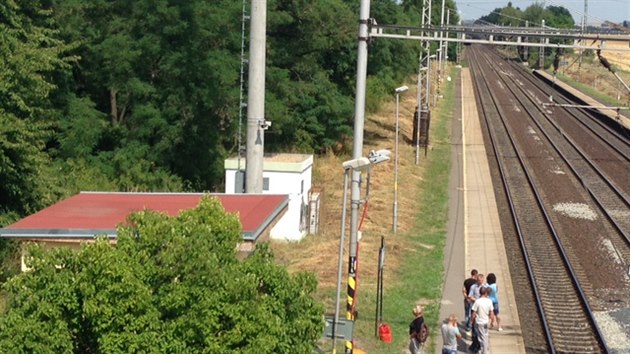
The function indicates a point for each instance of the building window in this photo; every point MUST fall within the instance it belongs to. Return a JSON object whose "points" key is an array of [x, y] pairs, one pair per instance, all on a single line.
{"points": [[266, 184]]}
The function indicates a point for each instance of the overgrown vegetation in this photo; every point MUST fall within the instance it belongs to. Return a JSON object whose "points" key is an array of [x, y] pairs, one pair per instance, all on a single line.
{"points": [[170, 285], [143, 96]]}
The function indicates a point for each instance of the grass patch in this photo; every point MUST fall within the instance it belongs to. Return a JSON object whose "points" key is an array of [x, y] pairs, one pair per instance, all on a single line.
{"points": [[590, 91]]}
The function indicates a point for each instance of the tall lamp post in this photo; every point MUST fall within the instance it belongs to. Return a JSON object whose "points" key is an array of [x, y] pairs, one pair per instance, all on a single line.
{"points": [[351, 166], [399, 90]]}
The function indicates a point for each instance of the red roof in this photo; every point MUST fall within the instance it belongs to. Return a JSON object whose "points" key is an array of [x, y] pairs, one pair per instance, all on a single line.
{"points": [[91, 213]]}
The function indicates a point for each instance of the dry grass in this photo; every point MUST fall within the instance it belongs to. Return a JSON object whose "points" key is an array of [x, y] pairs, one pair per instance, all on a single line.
{"points": [[592, 73], [414, 259], [319, 253], [618, 58]]}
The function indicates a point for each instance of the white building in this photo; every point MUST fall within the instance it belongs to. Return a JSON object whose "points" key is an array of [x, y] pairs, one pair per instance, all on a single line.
{"points": [[289, 174]]}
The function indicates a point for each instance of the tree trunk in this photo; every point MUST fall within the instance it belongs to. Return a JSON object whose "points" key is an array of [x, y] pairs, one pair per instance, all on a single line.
{"points": [[113, 105]]}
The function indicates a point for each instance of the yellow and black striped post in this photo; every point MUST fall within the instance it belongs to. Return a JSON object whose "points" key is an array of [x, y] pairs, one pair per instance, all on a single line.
{"points": [[352, 286]]}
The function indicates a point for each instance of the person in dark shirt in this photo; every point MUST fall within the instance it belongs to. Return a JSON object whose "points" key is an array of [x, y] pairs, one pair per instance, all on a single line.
{"points": [[415, 328], [467, 301]]}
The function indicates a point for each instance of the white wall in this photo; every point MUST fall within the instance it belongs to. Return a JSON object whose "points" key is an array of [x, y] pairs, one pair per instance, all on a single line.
{"points": [[288, 182]]}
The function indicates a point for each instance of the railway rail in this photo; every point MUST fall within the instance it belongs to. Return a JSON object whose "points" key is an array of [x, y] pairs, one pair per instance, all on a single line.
{"points": [[549, 179]]}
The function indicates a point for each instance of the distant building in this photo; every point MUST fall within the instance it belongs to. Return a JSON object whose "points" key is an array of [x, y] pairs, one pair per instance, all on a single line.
{"points": [[289, 174]]}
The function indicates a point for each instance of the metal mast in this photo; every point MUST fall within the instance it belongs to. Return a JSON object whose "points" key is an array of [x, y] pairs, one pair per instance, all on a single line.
{"points": [[256, 123], [583, 28], [423, 73], [441, 53], [448, 22], [241, 104], [585, 17], [541, 50]]}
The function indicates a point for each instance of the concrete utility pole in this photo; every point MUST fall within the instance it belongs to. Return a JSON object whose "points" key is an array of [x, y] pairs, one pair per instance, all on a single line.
{"points": [[357, 152], [256, 123]]}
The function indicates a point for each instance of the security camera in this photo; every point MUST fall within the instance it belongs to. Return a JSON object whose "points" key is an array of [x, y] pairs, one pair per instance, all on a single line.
{"points": [[379, 156], [382, 152], [402, 89], [265, 124], [356, 164]]}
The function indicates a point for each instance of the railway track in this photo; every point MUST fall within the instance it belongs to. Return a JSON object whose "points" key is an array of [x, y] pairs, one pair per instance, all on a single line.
{"points": [[573, 144], [560, 281]]}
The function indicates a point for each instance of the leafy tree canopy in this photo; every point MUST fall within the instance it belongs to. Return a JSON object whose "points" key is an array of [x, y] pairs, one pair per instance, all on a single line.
{"points": [[169, 285], [554, 16], [29, 53]]}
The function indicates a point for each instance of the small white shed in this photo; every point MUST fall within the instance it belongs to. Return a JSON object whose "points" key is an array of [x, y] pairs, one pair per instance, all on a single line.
{"points": [[289, 174]]}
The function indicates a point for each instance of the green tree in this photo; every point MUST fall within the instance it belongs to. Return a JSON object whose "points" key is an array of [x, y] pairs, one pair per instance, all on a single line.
{"points": [[158, 81], [560, 17], [535, 14], [29, 53], [511, 16], [169, 285], [310, 70]]}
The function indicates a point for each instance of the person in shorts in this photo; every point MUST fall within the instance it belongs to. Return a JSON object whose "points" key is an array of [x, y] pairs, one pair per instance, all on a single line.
{"points": [[492, 284]]}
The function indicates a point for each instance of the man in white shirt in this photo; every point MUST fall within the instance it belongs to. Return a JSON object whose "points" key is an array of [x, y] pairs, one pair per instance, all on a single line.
{"points": [[482, 315], [473, 295]]}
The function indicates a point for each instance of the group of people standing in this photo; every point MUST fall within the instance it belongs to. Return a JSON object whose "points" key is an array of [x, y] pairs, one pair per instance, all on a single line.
{"points": [[481, 311], [481, 308]]}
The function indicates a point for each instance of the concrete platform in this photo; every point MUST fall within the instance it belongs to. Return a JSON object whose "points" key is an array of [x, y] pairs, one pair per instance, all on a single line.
{"points": [[474, 238]]}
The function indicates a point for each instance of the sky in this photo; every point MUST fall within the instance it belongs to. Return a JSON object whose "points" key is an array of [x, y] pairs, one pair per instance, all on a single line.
{"points": [[598, 10]]}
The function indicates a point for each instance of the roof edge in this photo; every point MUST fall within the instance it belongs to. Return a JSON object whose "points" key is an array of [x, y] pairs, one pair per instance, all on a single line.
{"points": [[256, 233], [56, 233]]}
